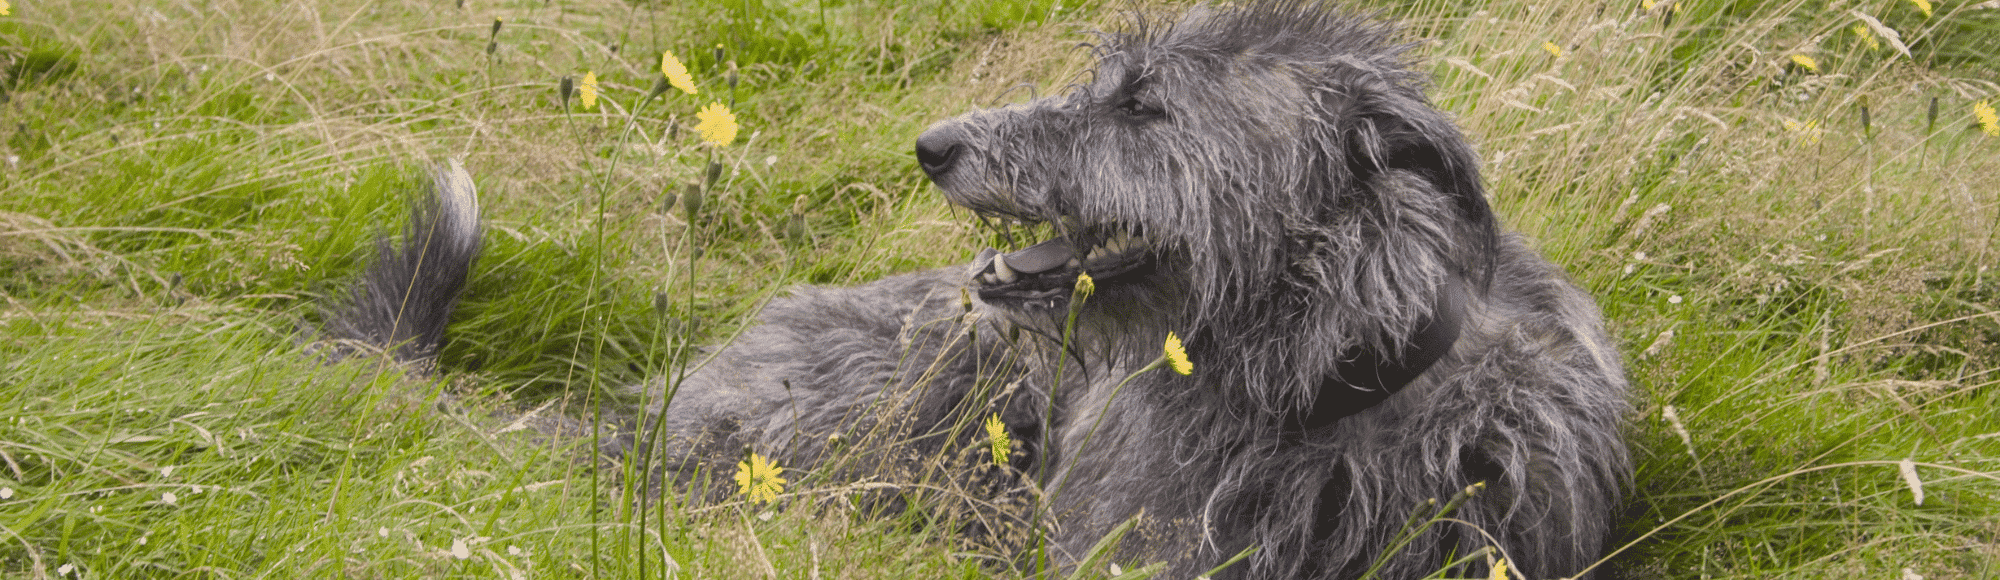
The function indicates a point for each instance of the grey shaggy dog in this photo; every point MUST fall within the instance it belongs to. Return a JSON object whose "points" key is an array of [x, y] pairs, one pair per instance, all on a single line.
{"points": [[1267, 181]]}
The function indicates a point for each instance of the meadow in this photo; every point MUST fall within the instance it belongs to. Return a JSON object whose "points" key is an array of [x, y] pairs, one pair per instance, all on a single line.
{"points": [[1787, 209]]}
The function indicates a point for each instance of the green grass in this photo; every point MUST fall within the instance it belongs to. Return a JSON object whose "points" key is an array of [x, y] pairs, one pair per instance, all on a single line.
{"points": [[179, 187]]}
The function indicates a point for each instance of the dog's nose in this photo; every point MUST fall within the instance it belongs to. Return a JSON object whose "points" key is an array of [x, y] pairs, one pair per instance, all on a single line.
{"points": [[938, 148]]}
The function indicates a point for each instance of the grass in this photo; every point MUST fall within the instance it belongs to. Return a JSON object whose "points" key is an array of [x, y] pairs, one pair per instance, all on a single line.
{"points": [[1804, 296]]}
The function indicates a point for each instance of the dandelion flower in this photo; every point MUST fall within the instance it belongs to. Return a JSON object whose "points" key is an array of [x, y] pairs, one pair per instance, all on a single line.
{"points": [[1867, 37], [1989, 121], [1805, 62], [757, 477], [1809, 130], [1648, 4], [1555, 51], [1924, 5], [1085, 286], [1177, 356], [718, 125], [5, 9], [587, 92], [1499, 570], [997, 433], [676, 72]]}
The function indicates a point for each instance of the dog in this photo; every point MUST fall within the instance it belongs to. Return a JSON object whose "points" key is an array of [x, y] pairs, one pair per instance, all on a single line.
{"points": [[1266, 182]]}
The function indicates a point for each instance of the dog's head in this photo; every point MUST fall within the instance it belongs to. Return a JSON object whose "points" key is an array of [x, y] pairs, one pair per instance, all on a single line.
{"points": [[1268, 179]]}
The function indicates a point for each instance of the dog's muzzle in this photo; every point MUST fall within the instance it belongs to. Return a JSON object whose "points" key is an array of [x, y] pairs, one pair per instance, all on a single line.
{"points": [[1039, 275]]}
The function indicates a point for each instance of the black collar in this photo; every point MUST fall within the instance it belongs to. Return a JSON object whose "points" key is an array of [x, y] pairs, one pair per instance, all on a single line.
{"points": [[1367, 377]]}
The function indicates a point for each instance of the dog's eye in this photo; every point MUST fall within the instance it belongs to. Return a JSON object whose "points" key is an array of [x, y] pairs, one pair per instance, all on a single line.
{"points": [[1134, 107]]}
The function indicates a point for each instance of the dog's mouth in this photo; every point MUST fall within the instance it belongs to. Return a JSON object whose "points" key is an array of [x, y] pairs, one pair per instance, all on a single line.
{"points": [[1044, 275]]}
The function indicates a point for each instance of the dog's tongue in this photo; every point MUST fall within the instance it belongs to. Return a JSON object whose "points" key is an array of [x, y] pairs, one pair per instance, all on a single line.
{"points": [[1033, 259], [1041, 257]]}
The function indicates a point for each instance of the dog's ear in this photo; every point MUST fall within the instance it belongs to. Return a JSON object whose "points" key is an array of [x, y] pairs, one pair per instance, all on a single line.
{"points": [[1396, 130], [1413, 137]]}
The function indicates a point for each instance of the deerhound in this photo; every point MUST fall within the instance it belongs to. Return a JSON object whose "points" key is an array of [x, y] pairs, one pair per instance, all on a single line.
{"points": [[1265, 180]]}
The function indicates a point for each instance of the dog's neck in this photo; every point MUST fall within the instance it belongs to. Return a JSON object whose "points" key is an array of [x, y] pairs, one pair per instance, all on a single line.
{"points": [[1368, 377]]}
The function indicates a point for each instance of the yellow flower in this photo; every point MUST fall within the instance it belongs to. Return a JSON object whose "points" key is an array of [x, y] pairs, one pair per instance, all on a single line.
{"points": [[718, 125], [1924, 5], [1085, 286], [996, 432], [1177, 356], [1810, 130], [588, 92], [1805, 62], [1555, 51], [1499, 570], [1647, 4], [1989, 121], [1867, 37], [5, 9], [676, 72], [757, 477]]}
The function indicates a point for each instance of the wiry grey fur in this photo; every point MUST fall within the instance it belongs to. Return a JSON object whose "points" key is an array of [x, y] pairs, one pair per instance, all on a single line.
{"points": [[1291, 199]]}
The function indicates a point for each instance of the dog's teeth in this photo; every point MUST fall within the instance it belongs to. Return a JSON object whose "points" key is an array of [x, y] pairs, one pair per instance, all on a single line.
{"points": [[1095, 253], [1001, 270]]}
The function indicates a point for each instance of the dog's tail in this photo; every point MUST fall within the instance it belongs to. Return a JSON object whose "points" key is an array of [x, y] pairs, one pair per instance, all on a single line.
{"points": [[403, 301]]}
